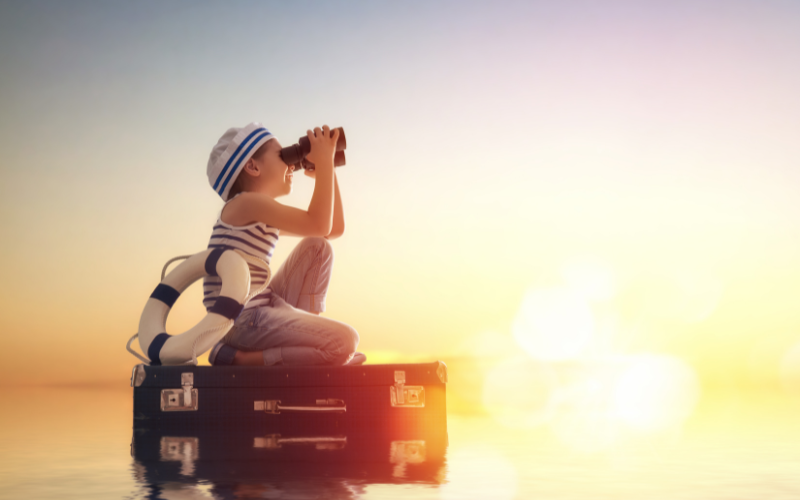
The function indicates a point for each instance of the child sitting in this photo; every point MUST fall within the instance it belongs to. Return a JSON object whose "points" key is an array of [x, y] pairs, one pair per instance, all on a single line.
{"points": [[282, 324]]}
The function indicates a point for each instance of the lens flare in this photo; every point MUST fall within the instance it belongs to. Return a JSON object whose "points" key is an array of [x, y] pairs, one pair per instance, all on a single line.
{"points": [[583, 421], [554, 324], [488, 344], [520, 393], [655, 391], [686, 296], [591, 279]]}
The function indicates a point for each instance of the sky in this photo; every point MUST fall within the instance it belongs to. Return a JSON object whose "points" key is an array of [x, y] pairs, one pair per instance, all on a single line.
{"points": [[557, 180]]}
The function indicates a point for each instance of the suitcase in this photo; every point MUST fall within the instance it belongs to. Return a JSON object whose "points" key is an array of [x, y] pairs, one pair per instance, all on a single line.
{"points": [[388, 400]]}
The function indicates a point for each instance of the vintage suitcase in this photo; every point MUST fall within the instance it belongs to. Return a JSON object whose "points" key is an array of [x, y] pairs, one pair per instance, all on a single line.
{"points": [[388, 399]]}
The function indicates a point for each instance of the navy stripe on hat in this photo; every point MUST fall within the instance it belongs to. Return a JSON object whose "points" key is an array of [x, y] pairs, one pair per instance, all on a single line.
{"points": [[236, 165], [230, 160]]}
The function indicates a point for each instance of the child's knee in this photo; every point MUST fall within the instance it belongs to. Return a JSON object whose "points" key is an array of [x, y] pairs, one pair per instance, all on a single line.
{"points": [[351, 339], [348, 341]]}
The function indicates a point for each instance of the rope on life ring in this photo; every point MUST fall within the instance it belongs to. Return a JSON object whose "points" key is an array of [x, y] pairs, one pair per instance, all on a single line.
{"points": [[229, 264]]}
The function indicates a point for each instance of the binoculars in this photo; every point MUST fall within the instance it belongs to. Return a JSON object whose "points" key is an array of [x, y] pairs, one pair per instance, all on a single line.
{"points": [[296, 153]]}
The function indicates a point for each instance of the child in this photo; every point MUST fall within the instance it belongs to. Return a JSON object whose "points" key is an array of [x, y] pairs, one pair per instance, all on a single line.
{"points": [[282, 324]]}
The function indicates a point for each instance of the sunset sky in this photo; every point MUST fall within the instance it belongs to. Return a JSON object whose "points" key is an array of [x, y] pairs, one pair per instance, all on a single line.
{"points": [[515, 172]]}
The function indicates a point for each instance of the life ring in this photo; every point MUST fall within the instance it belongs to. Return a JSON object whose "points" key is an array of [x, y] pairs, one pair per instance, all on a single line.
{"points": [[164, 349]]}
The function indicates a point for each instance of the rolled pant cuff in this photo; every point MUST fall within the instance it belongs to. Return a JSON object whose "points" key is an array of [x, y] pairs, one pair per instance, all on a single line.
{"points": [[272, 356], [311, 303], [224, 355]]}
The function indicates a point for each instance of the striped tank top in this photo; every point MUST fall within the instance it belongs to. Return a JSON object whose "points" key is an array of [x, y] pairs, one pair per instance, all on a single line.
{"points": [[257, 239]]}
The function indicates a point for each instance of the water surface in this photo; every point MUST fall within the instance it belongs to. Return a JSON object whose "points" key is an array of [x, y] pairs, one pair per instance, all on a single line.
{"points": [[76, 443]]}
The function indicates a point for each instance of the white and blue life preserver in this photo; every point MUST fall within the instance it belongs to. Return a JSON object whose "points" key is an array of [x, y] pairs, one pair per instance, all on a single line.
{"points": [[165, 349]]}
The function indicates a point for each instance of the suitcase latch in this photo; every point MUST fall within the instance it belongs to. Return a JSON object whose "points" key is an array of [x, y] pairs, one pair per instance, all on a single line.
{"points": [[406, 396], [184, 399]]}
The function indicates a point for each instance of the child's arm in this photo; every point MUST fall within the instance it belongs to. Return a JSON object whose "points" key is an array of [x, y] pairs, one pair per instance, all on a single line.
{"points": [[338, 211]]}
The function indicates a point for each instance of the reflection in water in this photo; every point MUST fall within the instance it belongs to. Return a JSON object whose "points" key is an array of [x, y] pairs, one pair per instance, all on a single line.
{"points": [[238, 463], [479, 471], [592, 403], [64, 444]]}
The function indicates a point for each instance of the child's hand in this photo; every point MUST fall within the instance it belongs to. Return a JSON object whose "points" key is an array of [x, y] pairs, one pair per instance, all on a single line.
{"points": [[323, 147]]}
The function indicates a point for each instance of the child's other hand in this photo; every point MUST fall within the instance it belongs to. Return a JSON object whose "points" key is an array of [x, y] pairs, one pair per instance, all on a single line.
{"points": [[323, 146], [310, 173]]}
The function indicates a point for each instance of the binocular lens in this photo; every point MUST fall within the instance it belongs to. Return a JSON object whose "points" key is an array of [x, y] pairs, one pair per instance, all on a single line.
{"points": [[296, 153]]}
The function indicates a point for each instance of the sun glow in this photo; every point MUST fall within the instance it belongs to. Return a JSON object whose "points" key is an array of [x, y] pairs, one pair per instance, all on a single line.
{"points": [[520, 393], [479, 472], [591, 279], [574, 378], [554, 324], [655, 391]]}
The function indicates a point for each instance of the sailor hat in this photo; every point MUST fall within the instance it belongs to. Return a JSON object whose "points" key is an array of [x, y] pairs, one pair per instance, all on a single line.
{"points": [[232, 151]]}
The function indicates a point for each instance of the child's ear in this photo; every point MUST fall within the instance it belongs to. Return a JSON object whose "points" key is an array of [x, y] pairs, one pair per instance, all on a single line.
{"points": [[251, 167]]}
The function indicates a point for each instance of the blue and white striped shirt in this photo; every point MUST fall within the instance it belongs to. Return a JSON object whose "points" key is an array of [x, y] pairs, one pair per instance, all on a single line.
{"points": [[257, 239]]}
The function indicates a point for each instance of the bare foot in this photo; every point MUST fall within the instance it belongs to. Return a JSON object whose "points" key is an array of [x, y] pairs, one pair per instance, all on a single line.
{"points": [[358, 359]]}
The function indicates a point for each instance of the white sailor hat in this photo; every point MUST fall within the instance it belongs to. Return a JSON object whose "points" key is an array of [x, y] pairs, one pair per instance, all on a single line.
{"points": [[232, 151]]}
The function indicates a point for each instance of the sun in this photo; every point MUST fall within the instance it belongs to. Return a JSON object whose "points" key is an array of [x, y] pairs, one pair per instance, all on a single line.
{"points": [[554, 324], [655, 391]]}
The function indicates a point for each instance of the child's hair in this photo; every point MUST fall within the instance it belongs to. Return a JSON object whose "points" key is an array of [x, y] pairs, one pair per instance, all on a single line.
{"points": [[241, 183]]}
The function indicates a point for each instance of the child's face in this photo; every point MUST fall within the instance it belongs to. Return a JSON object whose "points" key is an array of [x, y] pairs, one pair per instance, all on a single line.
{"points": [[276, 176]]}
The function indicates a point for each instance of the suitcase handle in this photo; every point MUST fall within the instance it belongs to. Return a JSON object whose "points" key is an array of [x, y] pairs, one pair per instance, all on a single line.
{"points": [[274, 407]]}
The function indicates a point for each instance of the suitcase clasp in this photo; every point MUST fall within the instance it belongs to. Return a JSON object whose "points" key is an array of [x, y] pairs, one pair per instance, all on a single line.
{"points": [[406, 396], [184, 399]]}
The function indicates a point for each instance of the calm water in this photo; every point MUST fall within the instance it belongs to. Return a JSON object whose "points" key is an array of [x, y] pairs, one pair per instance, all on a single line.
{"points": [[76, 443]]}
